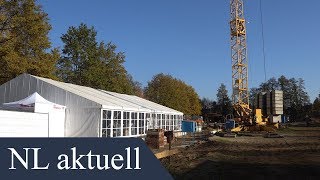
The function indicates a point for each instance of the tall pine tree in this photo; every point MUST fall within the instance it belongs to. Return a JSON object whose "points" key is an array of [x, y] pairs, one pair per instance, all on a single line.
{"points": [[223, 100]]}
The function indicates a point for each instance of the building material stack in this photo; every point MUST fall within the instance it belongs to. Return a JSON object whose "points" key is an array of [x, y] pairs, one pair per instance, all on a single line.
{"points": [[155, 138], [277, 102], [271, 105], [261, 102], [275, 105], [268, 104]]}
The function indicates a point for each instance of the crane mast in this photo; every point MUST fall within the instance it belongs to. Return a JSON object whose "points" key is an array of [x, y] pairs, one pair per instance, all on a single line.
{"points": [[240, 90]]}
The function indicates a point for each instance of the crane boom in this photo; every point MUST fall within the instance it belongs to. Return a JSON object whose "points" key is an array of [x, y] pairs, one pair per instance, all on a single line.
{"points": [[240, 90]]}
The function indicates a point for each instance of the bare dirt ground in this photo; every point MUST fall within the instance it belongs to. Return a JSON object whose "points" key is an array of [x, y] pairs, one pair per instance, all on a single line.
{"points": [[296, 156]]}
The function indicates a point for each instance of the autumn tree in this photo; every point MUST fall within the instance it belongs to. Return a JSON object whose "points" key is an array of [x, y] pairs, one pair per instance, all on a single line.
{"points": [[173, 93], [24, 42], [137, 87], [87, 62], [223, 100]]}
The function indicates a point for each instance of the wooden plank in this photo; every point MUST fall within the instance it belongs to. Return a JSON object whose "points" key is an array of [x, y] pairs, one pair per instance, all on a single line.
{"points": [[167, 153]]}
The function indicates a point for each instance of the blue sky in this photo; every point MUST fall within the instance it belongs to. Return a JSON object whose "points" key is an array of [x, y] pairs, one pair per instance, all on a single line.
{"points": [[189, 39]]}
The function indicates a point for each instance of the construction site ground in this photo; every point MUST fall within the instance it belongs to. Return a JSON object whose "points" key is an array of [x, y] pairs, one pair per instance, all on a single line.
{"points": [[295, 156]]}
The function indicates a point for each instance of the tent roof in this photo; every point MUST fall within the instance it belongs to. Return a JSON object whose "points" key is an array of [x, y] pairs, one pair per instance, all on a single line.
{"points": [[143, 102], [110, 99], [30, 100], [28, 103]]}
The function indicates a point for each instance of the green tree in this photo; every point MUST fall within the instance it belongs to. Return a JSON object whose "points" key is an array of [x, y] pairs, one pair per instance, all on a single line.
{"points": [[316, 107], [223, 100], [271, 84], [303, 97], [117, 78], [252, 96], [79, 54], [296, 100], [95, 64], [137, 87], [299, 100], [286, 86], [316, 104], [206, 103], [24, 42], [173, 93]]}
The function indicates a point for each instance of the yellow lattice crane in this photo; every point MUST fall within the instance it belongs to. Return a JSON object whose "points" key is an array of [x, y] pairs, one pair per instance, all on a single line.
{"points": [[252, 120], [240, 89]]}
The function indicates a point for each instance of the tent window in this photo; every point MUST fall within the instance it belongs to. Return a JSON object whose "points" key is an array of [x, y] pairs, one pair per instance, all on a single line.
{"points": [[175, 125], [154, 123], [106, 124], [141, 123], [134, 123], [126, 122], [171, 122], [148, 121], [159, 120], [163, 121], [116, 123], [167, 122], [106, 114]]}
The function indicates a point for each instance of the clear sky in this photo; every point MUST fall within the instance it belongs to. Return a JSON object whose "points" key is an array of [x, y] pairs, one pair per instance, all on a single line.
{"points": [[189, 39]]}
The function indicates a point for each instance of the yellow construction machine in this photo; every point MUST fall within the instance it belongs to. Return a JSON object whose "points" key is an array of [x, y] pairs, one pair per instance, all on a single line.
{"points": [[247, 118]]}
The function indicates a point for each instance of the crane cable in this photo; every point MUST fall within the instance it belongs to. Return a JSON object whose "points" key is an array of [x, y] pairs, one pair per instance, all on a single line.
{"points": [[263, 42]]}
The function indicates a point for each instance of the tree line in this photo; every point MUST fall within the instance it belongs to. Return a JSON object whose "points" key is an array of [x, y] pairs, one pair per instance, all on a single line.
{"points": [[83, 60], [296, 101], [26, 48], [219, 109]]}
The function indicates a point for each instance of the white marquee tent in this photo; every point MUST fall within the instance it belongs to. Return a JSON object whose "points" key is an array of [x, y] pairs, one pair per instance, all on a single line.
{"points": [[95, 113]]}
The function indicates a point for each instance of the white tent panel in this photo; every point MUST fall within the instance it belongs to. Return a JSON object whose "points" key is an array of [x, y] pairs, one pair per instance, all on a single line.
{"points": [[37, 104], [57, 123], [23, 124], [82, 122]]}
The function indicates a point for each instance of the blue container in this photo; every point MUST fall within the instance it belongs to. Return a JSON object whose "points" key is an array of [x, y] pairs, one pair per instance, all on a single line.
{"points": [[189, 126], [283, 119], [230, 124]]}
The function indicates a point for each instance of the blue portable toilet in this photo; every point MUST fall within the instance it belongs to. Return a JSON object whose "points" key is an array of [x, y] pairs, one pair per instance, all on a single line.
{"points": [[283, 119], [230, 124], [188, 126]]}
